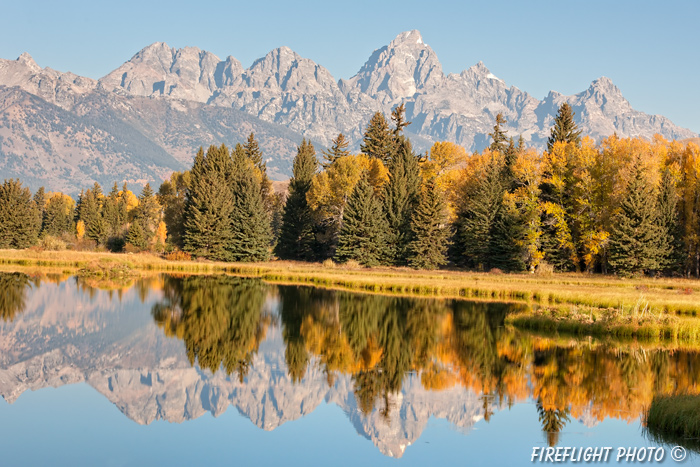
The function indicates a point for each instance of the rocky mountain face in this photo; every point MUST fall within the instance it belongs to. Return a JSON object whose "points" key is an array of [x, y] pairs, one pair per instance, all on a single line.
{"points": [[284, 88], [168, 102]]}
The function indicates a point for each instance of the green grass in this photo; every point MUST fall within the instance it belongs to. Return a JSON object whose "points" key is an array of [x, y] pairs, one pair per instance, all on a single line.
{"points": [[675, 420]]}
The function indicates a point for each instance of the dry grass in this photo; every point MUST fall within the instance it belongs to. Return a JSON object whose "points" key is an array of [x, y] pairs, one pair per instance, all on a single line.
{"points": [[661, 296]]}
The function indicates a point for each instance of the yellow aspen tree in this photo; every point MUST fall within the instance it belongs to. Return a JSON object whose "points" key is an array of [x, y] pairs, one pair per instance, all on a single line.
{"points": [[161, 234], [527, 172], [80, 230]]}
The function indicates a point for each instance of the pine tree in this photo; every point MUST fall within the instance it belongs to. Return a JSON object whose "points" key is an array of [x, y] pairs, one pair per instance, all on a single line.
{"points": [[363, 236], [505, 249], [338, 149], [171, 195], [477, 221], [637, 242], [251, 234], [58, 217], [669, 223], [115, 219], [209, 205], [252, 151], [297, 233], [40, 208], [398, 116], [565, 129], [136, 235], [429, 232], [400, 199], [500, 140], [378, 140], [148, 211], [18, 228], [90, 212]]}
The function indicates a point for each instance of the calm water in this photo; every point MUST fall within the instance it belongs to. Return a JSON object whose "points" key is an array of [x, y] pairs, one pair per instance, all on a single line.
{"points": [[226, 370]]}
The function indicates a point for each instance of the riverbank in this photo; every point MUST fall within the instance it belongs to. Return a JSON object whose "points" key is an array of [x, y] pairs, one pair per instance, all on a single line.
{"points": [[675, 420], [576, 303]]}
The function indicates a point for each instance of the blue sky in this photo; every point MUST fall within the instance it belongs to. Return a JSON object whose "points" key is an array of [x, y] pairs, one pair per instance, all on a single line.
{"points": [[649, 49]]}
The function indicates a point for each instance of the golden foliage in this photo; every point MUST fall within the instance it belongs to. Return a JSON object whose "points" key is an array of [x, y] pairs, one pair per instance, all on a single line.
{"points": [[80, 230]]}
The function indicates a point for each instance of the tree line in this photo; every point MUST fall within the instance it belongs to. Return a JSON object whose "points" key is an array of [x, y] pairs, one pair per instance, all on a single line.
{"points": [[624, 205]]}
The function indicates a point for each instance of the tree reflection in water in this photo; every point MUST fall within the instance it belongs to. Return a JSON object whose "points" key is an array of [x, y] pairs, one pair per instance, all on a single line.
{"points": [[13, 294], [378, 340], [220, 319]]}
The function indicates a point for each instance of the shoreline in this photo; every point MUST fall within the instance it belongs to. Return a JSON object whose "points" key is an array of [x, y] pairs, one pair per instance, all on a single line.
{"points": [[659, 309]]}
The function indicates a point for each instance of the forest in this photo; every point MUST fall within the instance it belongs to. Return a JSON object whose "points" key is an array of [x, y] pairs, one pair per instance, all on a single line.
{"points": [[626, 206]]}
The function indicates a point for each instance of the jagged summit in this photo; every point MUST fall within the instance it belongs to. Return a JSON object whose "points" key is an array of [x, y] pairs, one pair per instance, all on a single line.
{"points": [[397, 71], [407, 37], [27, 60], [284, 89]]}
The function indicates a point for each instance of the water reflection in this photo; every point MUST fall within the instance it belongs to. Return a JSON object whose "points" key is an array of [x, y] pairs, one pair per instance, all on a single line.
{"points": [[379, 341], [220, 319], [13, 293], [277, 352]]}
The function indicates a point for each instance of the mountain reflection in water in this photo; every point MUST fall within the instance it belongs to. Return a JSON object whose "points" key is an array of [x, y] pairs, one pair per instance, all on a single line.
{"points": [[277, 352]]}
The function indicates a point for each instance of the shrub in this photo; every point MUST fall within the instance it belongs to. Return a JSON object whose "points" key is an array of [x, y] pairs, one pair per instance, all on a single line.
{"points": [[351, 264], [328, 263], [544, 269], [178, 256], [52, 243]]}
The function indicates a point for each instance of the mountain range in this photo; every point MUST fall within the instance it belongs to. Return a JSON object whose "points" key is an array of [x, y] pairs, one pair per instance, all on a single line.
{"points": [[148, 116]]}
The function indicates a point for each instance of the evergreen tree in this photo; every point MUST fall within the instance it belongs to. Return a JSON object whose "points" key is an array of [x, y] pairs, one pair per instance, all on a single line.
{"points": [[505, 249], [40, 208], [253, 152], [378, 140], [115, 218], [509, 159], [58, 217], [250, 229], [148, 211], [271, 203], [363, 236], [400, 199], [172, 195], [500, 140], [209, 205], [564, 129], [398, 116], [338, 149], [90, 212], [637, 242], [477, 221], [136, 235], [18, 228], [297, 233], [429, 232], [669, 223]]}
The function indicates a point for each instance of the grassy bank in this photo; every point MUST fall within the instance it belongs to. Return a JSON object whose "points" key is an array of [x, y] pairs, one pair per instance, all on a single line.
{"points": [[675, 420], [634, 323], [601, 294]]}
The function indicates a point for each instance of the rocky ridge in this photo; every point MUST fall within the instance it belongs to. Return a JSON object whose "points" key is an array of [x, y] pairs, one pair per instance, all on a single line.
{"points": [[148, 117], [293, 91]]}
